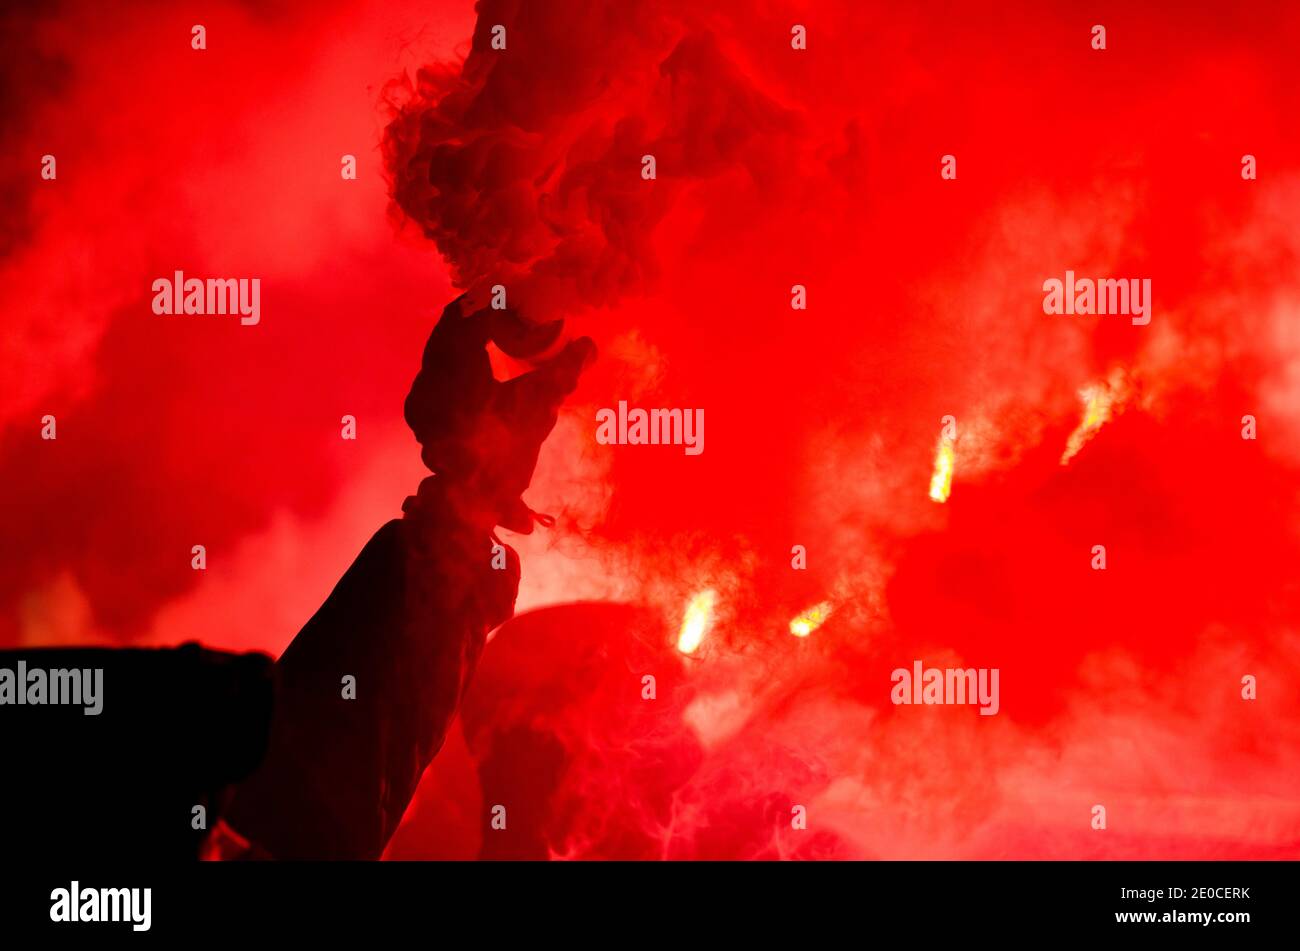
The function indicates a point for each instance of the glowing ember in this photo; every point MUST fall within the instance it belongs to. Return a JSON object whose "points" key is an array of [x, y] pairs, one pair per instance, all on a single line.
{"points": [[699, 617], [1101, 401], [810, 620], [941, 481]]}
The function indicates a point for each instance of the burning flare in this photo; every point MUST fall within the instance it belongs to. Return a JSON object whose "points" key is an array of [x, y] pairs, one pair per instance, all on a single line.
{"points": [[941, 481], [1101, 402], [810, 620], [698, 620]]}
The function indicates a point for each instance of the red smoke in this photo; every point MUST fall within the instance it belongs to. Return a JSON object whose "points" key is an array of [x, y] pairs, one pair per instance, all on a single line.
{"points": [[774, 167]]}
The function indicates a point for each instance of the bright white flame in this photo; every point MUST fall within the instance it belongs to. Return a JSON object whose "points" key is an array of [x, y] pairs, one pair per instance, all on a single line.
{"points": [[941, 481], [810, 620], [696, 623]]}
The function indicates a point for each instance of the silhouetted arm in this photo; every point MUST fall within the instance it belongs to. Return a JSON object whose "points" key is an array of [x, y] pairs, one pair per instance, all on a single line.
{"points": [[407, 621]]}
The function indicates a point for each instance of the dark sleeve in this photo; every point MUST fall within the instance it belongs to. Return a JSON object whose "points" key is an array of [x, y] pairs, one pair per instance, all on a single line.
{"points": [[407, 621]]}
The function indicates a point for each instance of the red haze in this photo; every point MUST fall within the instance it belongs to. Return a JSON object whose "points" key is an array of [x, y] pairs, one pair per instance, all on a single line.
{"points": [[774, 168]]}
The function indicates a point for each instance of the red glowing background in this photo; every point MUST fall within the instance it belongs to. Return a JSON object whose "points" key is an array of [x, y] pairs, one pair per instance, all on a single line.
{"points": [[775, 167]]}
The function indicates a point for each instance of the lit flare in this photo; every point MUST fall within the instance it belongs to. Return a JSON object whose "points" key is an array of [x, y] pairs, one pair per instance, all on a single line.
{"points": [[696, 623], [810, 620], [1102, 401], [941, 481]]}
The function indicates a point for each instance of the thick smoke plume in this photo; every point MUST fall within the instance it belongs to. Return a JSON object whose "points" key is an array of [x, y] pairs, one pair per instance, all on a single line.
{"points": [[526, 165]]}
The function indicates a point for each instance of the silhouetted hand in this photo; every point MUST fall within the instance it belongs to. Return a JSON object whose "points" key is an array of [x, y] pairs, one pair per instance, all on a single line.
{"points": [[482, 437]]}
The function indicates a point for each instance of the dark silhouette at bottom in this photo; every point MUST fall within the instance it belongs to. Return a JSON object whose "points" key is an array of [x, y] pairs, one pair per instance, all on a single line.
{"points": [[318, 756]]}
